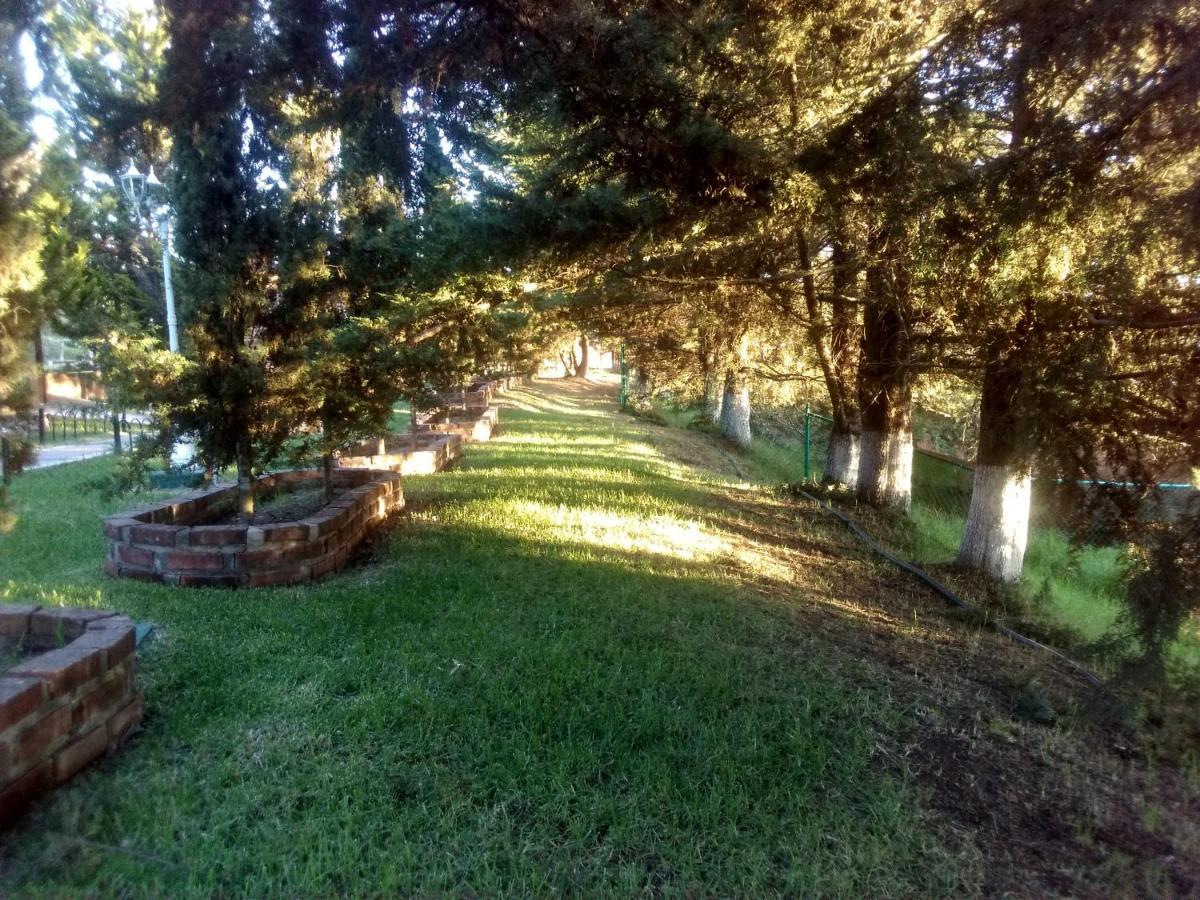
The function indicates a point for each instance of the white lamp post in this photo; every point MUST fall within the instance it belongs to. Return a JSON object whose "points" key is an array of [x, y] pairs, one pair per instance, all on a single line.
{"points": [[135, 185]]}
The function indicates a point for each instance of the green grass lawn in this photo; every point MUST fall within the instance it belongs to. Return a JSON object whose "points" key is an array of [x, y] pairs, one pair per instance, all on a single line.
{"points": [[543, 681]]}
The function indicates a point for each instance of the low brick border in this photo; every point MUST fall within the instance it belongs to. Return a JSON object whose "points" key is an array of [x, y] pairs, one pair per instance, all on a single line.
{"points": [[172, 543], [66, 706], [472, 400], [473, 427], [427, 452]]}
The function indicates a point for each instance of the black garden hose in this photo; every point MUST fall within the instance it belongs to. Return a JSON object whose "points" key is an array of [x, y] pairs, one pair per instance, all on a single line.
{"points": [[948, 595]]}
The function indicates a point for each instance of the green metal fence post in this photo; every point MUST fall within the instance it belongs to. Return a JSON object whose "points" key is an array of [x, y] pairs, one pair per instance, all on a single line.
{"points": [[807, 441]]}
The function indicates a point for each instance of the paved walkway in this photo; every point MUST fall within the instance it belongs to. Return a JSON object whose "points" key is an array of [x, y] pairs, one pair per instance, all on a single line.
{"points": [[57, 454]]}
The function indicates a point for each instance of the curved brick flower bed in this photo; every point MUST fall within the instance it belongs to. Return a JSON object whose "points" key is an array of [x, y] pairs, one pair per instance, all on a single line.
{"points": [[472, 426], [71, 698], [408, 454], [175, 543]]}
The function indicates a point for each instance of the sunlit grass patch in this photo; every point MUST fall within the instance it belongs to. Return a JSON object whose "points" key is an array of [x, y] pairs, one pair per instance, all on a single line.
{"points": [[659, 535]]}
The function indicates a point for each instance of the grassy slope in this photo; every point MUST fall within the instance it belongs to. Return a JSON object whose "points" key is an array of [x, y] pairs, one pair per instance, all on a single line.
{"points": [[1079, 589], [549, 678]]}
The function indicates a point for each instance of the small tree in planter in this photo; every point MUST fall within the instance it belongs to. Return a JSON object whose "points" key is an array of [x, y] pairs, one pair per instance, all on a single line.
{"points": [[228, 165]]}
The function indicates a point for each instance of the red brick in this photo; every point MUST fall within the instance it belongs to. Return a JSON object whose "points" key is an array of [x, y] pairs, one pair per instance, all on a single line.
{"points": [[117, 621], [115, 642], [323, 565], [136, 556], [194, 561], [225, 580], [292, 575], [218, 535], [139, 574], [16, 797], [54, 621], [111, 693], [271, 557], [81, 751], [124, 720], [326, 522], [42, 738], [61, 670], [117, 528], [154, 535], [18, 698], [14, 618], [291, 531]]}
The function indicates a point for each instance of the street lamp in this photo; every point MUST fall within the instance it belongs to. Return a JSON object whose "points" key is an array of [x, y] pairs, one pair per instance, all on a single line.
{"points": [[136, 186]]}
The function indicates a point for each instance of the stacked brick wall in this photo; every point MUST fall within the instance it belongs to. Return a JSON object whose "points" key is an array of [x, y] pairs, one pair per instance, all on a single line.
{"points": [[172, 542], [412, 454], [471, 400], [472, 427], [74, 699]]}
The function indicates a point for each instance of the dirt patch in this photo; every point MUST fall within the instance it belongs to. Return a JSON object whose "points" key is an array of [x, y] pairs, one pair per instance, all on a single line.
{"points": [[281, 506], [1075, 809]]}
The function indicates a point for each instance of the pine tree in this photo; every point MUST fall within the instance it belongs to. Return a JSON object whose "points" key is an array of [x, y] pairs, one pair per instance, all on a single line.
{"points": [[226, 167]]}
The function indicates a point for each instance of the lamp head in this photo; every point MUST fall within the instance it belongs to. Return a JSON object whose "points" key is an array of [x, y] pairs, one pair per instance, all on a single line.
{"points": [[133, 184]]}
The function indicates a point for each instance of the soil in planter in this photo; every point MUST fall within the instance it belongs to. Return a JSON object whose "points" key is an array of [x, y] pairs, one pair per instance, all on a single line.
{"points": [[282, 506]]}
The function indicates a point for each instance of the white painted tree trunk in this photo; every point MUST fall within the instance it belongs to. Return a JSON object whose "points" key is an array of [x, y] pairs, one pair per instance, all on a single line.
{"points": [[713, 398], [997, 522], [841, 459], [885, 468], [735, 410]]}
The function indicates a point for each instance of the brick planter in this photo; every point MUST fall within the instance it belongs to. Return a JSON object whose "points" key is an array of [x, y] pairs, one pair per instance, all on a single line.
{"points": [[472, 427], [496, 384], [408, 454], [474, 400], [173, 543], [72, 699]]}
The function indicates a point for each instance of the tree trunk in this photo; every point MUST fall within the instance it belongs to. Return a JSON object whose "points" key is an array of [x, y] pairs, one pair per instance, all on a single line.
{"points": [[997, 526], [245, 480], [642, 391], [841, 459], [833, 341], [885, 397], [327, 475], [581, 367], [116, 433], [39, 357], [735, 400], [714, 396], [735, 408], [710, 384]]}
